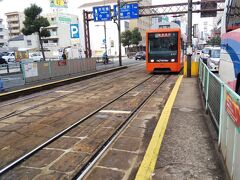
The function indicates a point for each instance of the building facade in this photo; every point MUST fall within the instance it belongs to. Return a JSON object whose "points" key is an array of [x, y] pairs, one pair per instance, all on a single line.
{"points": [[15, 23], [60, 33], [25, 42], [3, 34], [143, 23]]}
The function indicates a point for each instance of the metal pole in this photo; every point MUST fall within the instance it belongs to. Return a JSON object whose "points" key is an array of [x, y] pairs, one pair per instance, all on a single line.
{"points": [[189, 55], [105, 37], [119, 34]]}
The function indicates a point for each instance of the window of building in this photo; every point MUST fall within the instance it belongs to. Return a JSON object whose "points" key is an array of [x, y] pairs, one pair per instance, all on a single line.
{"points": [[126, 24], [29, 42], [1, 37], [1, 29], [45, 41], [55, 41]]}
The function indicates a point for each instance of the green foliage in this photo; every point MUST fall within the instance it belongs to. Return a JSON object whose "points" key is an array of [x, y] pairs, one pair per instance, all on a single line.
{"points": [[136, 36], [34, 22], [126, 38], [214, 41], [131, 37]]}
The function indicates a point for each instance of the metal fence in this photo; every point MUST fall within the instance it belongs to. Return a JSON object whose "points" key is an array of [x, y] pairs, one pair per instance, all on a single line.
{"points": [[19, 74], [38, 71], [224, 106], [9, 68]]}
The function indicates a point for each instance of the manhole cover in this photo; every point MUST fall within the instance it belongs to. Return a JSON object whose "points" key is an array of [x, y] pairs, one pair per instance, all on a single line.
{"points": [[185, 109]]}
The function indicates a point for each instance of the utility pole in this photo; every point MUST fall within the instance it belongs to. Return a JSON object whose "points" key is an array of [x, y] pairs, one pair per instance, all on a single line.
{"points": [[189, 39], [119, 34], [105, 37]]}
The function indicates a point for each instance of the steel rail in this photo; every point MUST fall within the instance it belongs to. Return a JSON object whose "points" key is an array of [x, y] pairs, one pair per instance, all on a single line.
{"points": [[60, 134], [90, 163], [15, 113]]}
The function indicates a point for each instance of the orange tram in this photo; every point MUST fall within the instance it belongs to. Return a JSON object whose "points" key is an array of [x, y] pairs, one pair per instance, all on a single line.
{"points": [[164, 50]]}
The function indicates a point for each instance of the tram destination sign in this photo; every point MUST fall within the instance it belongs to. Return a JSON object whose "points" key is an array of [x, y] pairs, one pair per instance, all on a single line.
{"points": [[102, 13], [128, 11]]}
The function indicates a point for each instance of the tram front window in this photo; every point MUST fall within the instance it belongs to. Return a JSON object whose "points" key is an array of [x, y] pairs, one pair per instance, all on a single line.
{"points": [[163, 47]]}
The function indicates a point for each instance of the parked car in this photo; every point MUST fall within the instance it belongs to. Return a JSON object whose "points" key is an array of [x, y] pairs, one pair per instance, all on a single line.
{"points": [[214, 59], [36, 57], [140, 55], [3, 54], [2, 61], [205, 54], [9, 57]]}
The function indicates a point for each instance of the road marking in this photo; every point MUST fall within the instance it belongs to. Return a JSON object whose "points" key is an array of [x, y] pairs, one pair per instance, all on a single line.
{"points": [[150, 158], [115, 111], [63, 91]]}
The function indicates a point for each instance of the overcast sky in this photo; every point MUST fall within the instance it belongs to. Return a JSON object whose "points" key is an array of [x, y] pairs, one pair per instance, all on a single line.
{"points": [[20, 5]]}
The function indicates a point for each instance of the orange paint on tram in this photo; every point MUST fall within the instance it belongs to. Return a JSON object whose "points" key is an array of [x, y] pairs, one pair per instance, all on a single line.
{"points": [[164, 51]]}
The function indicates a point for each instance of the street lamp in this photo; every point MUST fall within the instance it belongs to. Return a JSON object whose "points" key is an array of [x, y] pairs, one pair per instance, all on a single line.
{"points": [[105, 36]]}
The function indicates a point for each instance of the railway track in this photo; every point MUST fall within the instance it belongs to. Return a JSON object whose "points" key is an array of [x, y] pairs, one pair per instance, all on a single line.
{"points": [[121, 109], [58, 95], [114, 75]]}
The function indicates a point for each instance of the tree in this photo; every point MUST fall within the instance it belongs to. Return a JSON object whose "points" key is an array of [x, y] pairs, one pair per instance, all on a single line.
{"points": [[34, 23], [136, 36], [215, 41], [126, 38]]}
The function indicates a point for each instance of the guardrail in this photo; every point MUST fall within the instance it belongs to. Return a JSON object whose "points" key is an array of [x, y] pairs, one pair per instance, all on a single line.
{"points": [[10, 68], [224, 106]]}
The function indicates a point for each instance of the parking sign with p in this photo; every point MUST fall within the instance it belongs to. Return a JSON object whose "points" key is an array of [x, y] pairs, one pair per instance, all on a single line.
{"points": [[74, 30]]}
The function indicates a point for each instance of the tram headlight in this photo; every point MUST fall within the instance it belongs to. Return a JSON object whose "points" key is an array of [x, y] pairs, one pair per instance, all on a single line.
{"points": [[172, 60], [152, 60]]}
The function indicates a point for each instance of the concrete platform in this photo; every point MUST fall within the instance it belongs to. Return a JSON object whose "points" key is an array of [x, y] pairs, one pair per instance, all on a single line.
{"points": [[188, 148]]}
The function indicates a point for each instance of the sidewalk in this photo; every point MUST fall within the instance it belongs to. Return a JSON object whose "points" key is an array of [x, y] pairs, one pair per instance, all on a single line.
{"points": [[188, 148]]}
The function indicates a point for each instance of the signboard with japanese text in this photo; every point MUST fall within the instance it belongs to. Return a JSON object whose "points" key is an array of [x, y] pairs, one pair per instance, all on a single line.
{"points": [[58, 3], [233, 109], [64, 18], [128, 11], [31, 69], [102, 13], [19, 55]]}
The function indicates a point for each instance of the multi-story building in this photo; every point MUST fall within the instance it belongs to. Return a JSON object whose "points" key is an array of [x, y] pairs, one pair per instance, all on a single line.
{"points": [[143, 23], [3, 34], [24, 42], [15, 23], [97, 38], [60, 33]]}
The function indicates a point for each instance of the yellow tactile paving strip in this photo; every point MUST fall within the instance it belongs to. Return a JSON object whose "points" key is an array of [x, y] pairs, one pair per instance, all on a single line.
{"points": [[149, 161]]}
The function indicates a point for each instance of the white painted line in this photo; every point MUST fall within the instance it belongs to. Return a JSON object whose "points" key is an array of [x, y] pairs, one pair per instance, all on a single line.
{"points": [[63, 91], [115, 111]]}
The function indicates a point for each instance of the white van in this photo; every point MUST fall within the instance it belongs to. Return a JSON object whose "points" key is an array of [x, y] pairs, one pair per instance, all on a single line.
{"points": [[35, 57]]}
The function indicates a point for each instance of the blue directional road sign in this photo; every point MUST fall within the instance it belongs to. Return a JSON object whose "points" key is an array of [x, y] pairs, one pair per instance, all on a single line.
{"points": [[128, 11], [102, 13], [74, 31]]}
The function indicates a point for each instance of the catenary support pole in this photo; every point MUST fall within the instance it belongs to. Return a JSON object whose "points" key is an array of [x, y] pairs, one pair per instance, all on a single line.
{"points": [[119, 34], [189, 42]]}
